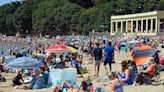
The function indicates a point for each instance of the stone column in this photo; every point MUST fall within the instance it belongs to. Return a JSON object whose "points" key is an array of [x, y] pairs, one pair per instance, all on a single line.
{"points": [[156, 25], [116, 27], [131, 26], [111, 27], [136, 26], [121, 26], [147, 25], [141, 26], [126, 26], [151, 30], [159, 25]]}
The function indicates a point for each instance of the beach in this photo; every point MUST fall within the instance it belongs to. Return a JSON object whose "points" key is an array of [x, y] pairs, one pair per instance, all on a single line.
{"points": [[6, 86]]}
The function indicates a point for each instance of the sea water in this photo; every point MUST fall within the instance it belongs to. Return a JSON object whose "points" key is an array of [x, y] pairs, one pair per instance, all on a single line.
{"points": [[4, 48]]}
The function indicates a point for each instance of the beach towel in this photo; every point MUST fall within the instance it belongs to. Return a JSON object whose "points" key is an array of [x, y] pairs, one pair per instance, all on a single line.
{"points": [[28, 80]]}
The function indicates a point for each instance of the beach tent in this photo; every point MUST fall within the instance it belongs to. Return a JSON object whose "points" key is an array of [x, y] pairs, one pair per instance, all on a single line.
{"points": [[123, 46], [134, 42], [24, 63], [123, 39], [143, 53], [157, 37], [58, 48], [135, 47], [138, 45], [57, 76]]}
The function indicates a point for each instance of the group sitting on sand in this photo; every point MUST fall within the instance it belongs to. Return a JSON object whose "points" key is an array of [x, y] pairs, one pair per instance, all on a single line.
{"points": [[37, 81], [130, 74]]}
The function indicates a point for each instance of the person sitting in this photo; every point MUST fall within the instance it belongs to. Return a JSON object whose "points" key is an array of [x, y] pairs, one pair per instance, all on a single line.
{"points": [[45, 75], [75, 64], [2, 79], [133, 69], [67, 58], [148, 72], [127, 75], [115, 84], [59, 64], [1, 64], [17, 79], [79, 59], [37, 82], [68, 87]]}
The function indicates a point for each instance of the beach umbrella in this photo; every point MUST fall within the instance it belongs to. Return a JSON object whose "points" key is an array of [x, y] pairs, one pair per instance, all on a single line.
{"points": [[134, 42], [24, 63], [72, 49], [58, 48], [9, 59], [123, 39], [143, 53], [24, 52], [138, 45], [157, 37]]}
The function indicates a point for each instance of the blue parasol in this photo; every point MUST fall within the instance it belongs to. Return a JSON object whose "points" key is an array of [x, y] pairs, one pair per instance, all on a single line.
{"points": [[24, 63]]}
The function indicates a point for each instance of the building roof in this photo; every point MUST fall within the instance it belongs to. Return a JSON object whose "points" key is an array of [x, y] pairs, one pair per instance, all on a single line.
{"points": [[139, 15]]}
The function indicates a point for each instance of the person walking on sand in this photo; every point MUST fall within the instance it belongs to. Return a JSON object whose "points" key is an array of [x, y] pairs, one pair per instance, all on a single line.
{"points": [[98, 57], [109, 56]]}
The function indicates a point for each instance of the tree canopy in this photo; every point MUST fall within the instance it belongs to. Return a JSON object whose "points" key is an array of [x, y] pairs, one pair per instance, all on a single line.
{"points": [[68, 16]]}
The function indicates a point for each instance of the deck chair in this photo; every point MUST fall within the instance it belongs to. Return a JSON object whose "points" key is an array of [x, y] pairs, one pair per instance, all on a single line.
{"points": [[154, 79]]}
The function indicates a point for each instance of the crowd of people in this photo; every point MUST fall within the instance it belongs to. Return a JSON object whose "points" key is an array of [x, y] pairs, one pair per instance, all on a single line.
{"points": [[95, 50]]}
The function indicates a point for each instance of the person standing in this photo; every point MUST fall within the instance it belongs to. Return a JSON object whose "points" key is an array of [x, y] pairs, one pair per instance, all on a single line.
{"points": [[2, 64], [109, 56], [98, 57], [90, 52]]}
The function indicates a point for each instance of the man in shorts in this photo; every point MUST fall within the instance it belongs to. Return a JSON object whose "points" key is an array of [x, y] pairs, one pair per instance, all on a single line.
{"points": [[98, 57], [109, 56]]}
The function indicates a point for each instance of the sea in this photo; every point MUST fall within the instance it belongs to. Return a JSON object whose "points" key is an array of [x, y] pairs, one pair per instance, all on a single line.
{"points": [[5, 48]]}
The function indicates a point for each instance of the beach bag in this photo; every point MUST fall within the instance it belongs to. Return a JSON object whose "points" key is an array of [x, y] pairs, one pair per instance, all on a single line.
{"points": [[2, 79], [84, 85], [82, 70], [99, 89]]}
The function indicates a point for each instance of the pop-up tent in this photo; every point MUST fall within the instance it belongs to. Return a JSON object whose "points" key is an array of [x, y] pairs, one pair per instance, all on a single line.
{"points": [[143, 53]]}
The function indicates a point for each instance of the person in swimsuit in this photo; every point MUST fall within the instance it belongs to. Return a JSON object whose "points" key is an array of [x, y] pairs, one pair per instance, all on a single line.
{"points": [[115, 83], [127, 75]]}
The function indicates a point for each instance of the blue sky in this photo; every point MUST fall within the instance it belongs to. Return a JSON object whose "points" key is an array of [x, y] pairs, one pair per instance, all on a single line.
{"points": [[6, 1]]}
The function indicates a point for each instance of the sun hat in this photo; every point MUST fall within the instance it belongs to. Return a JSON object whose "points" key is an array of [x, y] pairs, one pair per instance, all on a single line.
{"points": [[58, 60], [150, 59]]}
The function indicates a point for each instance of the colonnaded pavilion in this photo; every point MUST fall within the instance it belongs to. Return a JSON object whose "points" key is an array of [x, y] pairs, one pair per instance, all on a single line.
{"points": [[141, 24]]}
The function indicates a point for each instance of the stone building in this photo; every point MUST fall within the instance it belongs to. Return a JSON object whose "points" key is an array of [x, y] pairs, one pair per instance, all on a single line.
{"points": [[141, 24]]}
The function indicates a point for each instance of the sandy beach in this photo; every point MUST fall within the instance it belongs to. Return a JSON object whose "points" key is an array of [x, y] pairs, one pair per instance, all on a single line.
{"points": [[6, 86]]}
